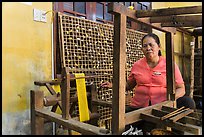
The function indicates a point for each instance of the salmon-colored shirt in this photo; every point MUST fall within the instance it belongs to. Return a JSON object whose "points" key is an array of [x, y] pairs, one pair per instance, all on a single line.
{"points": [[151, 82]]}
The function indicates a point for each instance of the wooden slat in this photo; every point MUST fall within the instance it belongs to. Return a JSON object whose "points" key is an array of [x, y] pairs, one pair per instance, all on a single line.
{"points": [[119, 62], [61, 40], [72, 124], [134, 116], [176, 125], [181, 115], [172, 113], [194, 114], [169, 11]]}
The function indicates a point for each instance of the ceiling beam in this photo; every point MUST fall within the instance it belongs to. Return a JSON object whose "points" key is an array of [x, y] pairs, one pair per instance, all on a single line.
{"points": [[168, 11], [181, 24], [173, 18], [197, 32]]}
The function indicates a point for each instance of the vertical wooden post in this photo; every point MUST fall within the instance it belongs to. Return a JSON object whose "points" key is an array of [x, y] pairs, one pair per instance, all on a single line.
{"points": [[65, 93], [170, 66], [119, 82], [192, 44], [37, 123], [93, 97], [182, 51], [93, 107]]}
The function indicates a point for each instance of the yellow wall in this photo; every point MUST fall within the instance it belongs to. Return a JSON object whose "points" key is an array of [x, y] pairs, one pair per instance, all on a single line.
{"points": [[27, 50], [161, 35], [182, 4]]}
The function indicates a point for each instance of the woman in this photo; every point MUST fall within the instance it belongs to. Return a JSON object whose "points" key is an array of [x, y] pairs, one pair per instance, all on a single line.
{"points": [[148, 76]]}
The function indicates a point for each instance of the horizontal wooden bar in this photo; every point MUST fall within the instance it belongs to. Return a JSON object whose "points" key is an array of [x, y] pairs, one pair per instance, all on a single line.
{"points": [[102, 103], [168, 11], [134, 116], [181, 24], [51, 82], [84, 128], [190, 18], [117, 8], [176, 125], [58, 81], [92, 116]]}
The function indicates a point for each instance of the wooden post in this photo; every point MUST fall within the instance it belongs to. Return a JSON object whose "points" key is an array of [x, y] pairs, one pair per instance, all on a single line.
{"points": [[93, 107], [119, 82], [65, 93], [37, 122], [192, 44], [170, 66]]}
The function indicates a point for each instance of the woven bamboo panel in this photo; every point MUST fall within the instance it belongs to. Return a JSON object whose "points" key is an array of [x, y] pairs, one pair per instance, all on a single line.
{"points": [[87, 46]]}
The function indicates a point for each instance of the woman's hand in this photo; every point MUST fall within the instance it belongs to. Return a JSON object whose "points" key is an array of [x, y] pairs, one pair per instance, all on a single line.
{"points": [[106, 85]]}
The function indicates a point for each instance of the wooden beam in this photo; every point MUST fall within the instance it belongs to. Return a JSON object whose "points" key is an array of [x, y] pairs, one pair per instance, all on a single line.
{"points": [[169, 11], [65, 93], [51, 90], [197, 32], [36, 102], [134, 116], [72, 124], [176, 125], [182, 24], [117, 8], [119, 59], [51, 82], [173, 18], [170, 66]]}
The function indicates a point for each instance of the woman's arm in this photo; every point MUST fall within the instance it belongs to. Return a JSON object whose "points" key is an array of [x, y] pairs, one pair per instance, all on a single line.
{"points": [[180, 90], [130, 85]]}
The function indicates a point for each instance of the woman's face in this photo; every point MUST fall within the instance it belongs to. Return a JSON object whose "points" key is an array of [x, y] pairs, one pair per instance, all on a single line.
{"points": [[150, 48]]}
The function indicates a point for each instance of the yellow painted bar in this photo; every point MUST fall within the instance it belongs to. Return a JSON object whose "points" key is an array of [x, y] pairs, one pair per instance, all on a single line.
{"points": [[82, 98]]}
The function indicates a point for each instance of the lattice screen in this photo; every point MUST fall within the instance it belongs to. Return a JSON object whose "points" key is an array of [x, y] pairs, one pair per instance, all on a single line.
{"points": [[87, 47]]}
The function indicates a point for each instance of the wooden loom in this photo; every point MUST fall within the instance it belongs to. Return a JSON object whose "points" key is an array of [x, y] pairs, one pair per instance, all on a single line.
{"points": [[151, 113]]}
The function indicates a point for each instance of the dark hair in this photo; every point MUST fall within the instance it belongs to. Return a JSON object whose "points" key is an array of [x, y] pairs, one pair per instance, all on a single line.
{"points": [[155, 37]]}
